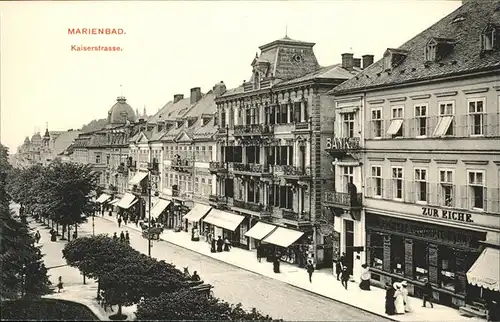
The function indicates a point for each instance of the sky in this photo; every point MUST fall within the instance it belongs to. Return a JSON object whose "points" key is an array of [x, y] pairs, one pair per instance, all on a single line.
{"points": [[168, 47]]}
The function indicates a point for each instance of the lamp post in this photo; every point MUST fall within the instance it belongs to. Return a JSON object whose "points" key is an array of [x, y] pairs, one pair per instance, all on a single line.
{"points": [[149, 211]]}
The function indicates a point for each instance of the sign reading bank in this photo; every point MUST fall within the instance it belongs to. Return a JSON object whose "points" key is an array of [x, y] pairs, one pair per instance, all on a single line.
{"points": [[447, 214]]}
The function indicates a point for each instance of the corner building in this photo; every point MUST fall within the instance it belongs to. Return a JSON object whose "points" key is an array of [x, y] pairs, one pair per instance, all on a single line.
{"points": [[428, 114], [270, 165]]}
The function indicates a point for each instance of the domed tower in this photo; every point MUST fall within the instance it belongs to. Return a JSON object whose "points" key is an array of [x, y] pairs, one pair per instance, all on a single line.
{"points": [[36, 140], [121, 112], [46, 137]]}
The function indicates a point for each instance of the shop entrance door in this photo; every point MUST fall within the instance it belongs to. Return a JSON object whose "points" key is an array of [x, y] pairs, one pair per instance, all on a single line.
{"points": [[349, 244]]}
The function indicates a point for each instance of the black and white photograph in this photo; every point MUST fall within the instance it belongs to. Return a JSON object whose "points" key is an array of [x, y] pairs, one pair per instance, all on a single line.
{"points": [[334, 160]]}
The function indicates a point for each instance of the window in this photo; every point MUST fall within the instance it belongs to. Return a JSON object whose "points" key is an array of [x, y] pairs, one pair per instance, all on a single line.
{"points": [[396, 127], [445, 123], [488, 38], [430, 51], [447, 268], [476, 189], [196, 184], [347, 176], [256, 80], [421, 120], [377, 180], [421, 185], [377, 122], [348, 125], [421, 261], [397, 182], [446, 188], [476, 116], [97, 158], [376, 250]]}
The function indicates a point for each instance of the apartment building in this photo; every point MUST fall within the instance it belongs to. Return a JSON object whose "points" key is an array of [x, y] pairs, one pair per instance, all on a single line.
{"points": [[418, 133], [270, 169]]}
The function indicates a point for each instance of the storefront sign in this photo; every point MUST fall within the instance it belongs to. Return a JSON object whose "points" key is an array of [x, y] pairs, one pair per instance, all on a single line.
{"points": [[447, 214]]}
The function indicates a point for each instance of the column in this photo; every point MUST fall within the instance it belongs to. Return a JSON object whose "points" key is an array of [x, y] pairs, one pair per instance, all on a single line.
{"points": [[302, 111], [460, 271], [409, 258], [387, 253], [433, 263], [299, 204]]}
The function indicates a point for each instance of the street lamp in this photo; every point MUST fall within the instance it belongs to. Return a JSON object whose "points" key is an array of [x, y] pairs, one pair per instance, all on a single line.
{"points": [[149, 211]]}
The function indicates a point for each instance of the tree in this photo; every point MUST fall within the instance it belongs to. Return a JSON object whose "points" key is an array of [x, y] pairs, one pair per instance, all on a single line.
{"points": [[187, 304], [23, 273]]}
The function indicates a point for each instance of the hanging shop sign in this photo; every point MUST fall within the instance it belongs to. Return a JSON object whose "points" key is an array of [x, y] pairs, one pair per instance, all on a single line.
{"points": [[447, 214]]}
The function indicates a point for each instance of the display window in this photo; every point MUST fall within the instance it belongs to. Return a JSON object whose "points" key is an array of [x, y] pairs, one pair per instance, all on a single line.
{"points": [[397, 255], [447, 277], [420, 260], [377, 250]]}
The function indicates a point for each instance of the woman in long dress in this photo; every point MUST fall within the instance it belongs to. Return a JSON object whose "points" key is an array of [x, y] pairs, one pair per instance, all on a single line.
{"points": [[398, 299], [406, 301]]}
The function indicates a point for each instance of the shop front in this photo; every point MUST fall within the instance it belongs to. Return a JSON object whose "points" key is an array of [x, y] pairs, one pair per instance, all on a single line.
{"points": [[158, 212], [401, 249], [192, 220], [224, 224], [286, 243], [257, 233]]}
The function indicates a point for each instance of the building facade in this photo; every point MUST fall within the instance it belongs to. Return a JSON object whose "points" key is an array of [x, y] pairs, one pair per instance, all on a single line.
{"points": [[269, 166], [418, 134]]}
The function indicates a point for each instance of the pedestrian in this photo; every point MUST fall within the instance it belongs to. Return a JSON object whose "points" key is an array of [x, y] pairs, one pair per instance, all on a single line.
{"points": [[125, 219], [338, 269], [37, 236], [345, 277], [398, 299], [389, 299], [59, 285], [115, 237], [406, 301], [213, 246], [493, 310], [276, 263], [127, 237], [195, 277], [428, 296], [119, 221], [220, 243], [259, 252], [122, 236], [110, 213], [227, 244], [310, 270], [343, 260], [75, 235], [365, 278]]}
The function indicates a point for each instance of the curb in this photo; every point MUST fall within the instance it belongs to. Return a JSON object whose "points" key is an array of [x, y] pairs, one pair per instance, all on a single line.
{"points": [[288, 283]]}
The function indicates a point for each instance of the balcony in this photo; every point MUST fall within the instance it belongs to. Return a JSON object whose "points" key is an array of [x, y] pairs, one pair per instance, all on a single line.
{"points": [[132, 165], [182, 165], [343, 200], [340, 147], [217, 167], [218, 202], [291, 171], [299, 219], [254, 207], [139, 190], [252, 129], [251, 168]]}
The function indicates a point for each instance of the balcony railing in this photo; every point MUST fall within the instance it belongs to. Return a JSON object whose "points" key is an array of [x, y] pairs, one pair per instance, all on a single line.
{"points": [[182, 164], [343, 199], [218, 201], [251, 167], [291, 171], [444, 195], [252, 129], [217, 166], [460, 126], [252, 206], [295, 216]]}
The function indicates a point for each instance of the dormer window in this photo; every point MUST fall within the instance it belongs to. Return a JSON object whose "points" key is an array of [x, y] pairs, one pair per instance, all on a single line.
{"points": [[430, 52], [205, 121], [489, 38], [160, 127], [393, 58], [256, 80], [179, 123], [438, 48]]}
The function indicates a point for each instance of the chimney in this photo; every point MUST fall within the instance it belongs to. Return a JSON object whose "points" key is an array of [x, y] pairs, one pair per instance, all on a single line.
{"points": [[195, 94], [367, 60], [219, 89], [178, 97], [357, 62], [347, 61]]}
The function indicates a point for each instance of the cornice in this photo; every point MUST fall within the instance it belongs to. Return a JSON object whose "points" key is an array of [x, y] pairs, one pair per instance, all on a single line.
{"points": [[475, 162], [420, 97], [444, 161], [421, 160], [446, 94], [397, 159], [475, 90]]}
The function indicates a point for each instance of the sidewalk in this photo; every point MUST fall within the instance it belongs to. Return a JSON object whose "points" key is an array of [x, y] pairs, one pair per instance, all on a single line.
{"points": [[324, 282]]}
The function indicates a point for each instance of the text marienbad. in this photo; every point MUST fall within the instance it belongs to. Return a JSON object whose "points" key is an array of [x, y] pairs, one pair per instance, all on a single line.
{"points": [[96, 31]]}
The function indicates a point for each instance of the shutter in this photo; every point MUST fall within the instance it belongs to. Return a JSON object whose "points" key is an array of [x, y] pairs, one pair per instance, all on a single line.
{"points": [[438, 192], [494, 199], [464, 198], [461, 126], [431, 193], [369, 248], [368, 189], [409, 258], [492, 124], [486, 199], [410, 191], [388, 188]]}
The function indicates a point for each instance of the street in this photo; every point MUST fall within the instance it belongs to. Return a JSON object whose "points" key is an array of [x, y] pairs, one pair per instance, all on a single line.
{"points": [[235, 285]]}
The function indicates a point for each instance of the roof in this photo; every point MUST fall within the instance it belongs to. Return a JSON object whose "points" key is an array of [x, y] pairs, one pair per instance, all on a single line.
{"points": [[64, 140], [205, 132], [463, 25], [329, 72], [206, 105], [233, 91], [288, 41], [117, 111]]}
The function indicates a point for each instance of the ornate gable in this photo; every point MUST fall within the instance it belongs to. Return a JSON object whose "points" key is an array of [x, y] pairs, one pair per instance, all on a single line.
{"points": [[183, 137]]}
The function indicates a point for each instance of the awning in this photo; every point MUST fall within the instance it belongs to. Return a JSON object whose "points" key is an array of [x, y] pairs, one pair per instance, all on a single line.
{"points": [[138, 178], [224, 219], [395, 126], [443, 125], [197, 212], [102, 198], [485, 272], [127, 201], [260, 230], [114, 202], [159, 207], [283, 237]]}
